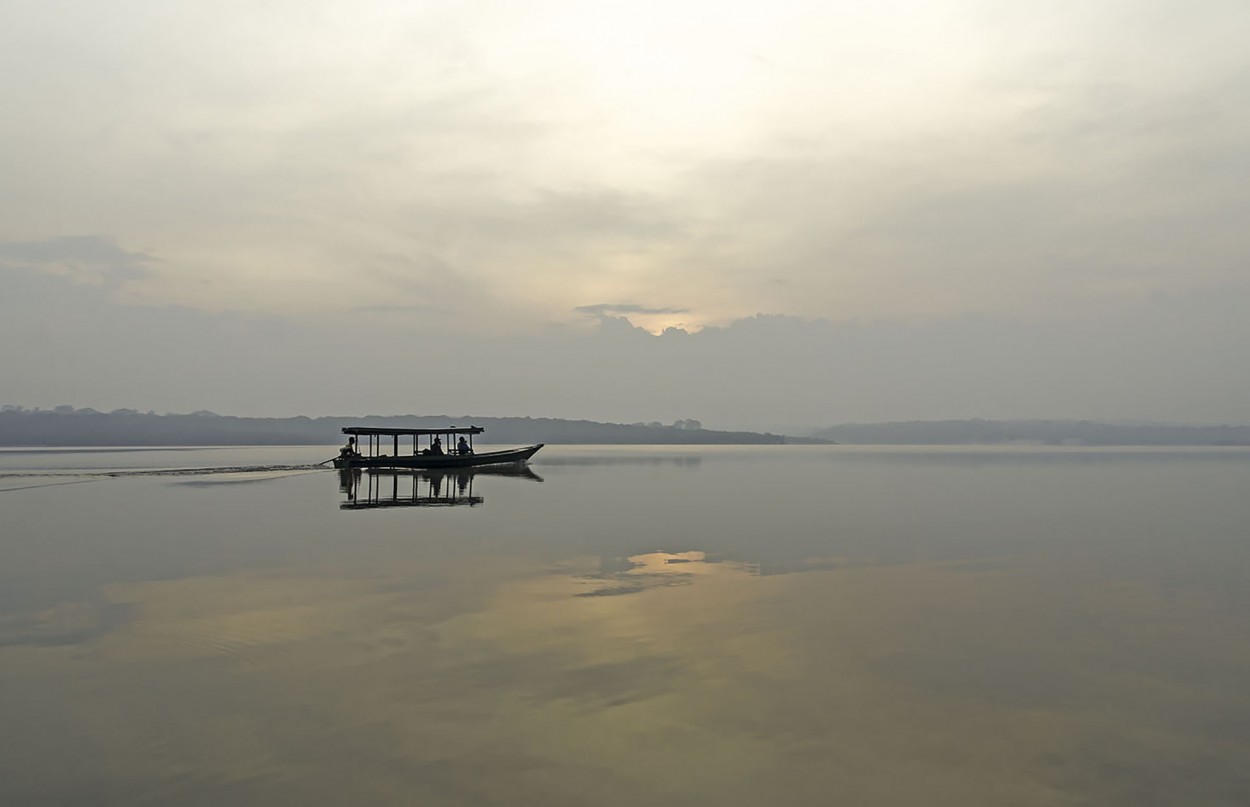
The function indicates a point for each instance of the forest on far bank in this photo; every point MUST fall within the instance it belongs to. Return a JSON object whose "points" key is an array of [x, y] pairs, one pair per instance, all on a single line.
{"points": [[67, 426]]}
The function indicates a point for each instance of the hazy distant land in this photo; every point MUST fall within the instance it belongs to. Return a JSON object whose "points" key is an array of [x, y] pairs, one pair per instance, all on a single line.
{"points": [[1034, 432], [67, 426]]}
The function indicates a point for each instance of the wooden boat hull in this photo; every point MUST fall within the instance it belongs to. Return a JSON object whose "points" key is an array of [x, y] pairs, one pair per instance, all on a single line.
{"points": [[439, 461]]}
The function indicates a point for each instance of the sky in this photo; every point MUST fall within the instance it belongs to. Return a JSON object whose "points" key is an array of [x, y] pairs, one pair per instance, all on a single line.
{"points": [[756, 214]]}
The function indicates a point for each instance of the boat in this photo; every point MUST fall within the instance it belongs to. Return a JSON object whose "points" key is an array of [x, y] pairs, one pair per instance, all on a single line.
{"points": [[433, 456]]}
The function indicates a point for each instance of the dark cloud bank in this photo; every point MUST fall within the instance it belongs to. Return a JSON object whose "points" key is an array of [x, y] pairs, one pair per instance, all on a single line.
{"points": [[1173, 358]]}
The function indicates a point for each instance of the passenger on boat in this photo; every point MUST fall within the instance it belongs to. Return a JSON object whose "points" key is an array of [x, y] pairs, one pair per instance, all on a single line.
{"points": [[436, 447], [463, 447], [348, 450]]}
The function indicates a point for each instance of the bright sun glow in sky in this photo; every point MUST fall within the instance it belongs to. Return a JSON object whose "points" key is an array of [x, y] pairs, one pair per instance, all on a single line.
{"points": [[721, 158]]}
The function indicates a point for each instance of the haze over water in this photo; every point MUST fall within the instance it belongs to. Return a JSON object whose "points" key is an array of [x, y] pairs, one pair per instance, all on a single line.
{"points": [[781, 625]]}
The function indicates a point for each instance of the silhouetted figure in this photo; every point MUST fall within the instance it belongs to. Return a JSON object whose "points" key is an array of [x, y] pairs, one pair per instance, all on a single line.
{"points": [[348, 450], [463, 447], [436, 447]]}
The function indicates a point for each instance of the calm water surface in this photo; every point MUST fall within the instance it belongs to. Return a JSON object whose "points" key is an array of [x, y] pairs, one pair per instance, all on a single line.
{"points": [[626, 626]]}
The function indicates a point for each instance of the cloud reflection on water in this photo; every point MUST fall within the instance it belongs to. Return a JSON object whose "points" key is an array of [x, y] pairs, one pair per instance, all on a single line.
{"points": [[283, 649], [795, 685]]}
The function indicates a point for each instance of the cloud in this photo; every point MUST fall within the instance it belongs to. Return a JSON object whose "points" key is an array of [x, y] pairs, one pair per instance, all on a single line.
{"points": [[85, 258], [619, 309], [967, 158]]}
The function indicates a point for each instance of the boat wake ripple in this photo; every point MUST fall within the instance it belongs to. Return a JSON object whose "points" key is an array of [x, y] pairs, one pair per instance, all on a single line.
{"points": [[113, 474]]}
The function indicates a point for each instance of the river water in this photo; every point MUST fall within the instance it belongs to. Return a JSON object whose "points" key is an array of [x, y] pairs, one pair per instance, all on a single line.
{"points": [[628, 625]]}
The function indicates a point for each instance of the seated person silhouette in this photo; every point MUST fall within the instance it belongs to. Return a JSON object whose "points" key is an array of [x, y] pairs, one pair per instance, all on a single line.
{"points": [[463, 447]]}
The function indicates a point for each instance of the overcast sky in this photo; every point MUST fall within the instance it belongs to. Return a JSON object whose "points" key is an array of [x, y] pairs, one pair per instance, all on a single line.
{"points": [[851, 211]]}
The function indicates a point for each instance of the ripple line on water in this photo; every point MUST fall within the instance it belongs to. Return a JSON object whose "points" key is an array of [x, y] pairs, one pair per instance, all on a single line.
{"points": [[234, 469], [44, 484]]}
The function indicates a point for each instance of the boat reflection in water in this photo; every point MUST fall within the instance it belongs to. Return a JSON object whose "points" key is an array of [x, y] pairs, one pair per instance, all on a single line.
{"points": [[370, 488]]}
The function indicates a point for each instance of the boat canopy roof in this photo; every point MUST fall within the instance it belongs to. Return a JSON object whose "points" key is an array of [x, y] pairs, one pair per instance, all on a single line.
{"points": [[414, 432]]}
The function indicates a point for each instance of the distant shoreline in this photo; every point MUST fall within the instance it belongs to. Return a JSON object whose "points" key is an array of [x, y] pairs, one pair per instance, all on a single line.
{"points": [[66, 427], [1073, 433]]}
